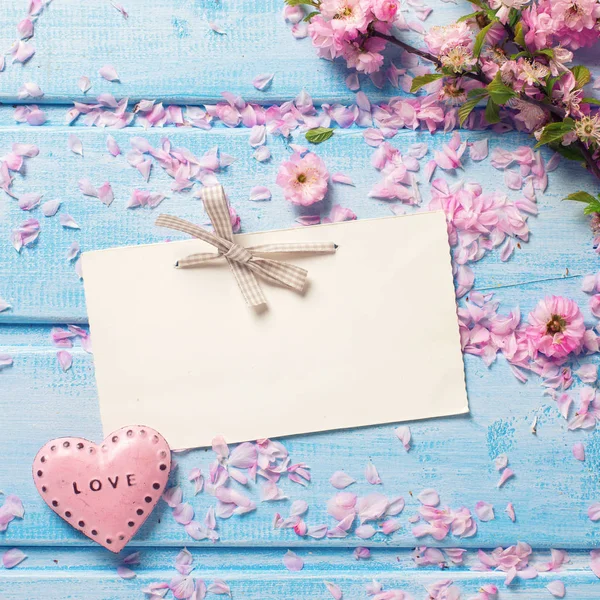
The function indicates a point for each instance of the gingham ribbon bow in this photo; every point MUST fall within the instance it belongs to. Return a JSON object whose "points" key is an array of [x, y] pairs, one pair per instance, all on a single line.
{"points": [[246, 263]]}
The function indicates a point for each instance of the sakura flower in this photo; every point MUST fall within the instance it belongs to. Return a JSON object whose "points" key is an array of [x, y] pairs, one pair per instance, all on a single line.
{"points": [[556, 328], [303, 179]]}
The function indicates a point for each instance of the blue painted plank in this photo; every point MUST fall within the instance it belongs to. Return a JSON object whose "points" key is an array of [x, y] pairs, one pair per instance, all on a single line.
{"points": [[42, 285], [169, 52], [453, 455], [59, 574]]}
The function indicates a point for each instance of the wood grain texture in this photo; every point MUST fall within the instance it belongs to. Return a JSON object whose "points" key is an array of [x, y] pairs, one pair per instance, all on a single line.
{"points": [[91, 574], [166, 50], [43, 287]]}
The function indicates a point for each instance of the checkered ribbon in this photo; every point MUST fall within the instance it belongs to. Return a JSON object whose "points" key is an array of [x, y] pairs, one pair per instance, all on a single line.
{"points": [[246, 263]]}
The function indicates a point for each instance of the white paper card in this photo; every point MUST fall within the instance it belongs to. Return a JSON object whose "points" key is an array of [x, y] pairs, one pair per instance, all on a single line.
{"points": [[373, 340]]}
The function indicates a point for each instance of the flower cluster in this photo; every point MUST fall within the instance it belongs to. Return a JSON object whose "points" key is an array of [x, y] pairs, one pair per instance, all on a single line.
{"points": [[348, 28], [514, 56]]}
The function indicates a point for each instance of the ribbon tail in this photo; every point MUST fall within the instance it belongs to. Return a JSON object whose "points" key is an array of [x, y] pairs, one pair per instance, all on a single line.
{"points": [[248, 284], [196, 260], [290, 276], [295, 248]]}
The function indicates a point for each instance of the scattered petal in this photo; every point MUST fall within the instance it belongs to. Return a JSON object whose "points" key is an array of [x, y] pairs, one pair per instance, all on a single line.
{"points": [[341, 480], [109, 73], [11, 558], [292, 561]]}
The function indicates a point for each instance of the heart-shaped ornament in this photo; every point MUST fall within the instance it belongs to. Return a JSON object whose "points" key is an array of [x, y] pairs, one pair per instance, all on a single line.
{"points": [[105, 491]]}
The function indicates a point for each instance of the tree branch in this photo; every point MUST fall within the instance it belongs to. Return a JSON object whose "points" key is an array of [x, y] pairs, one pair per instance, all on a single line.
{"points": [[556, 111]]}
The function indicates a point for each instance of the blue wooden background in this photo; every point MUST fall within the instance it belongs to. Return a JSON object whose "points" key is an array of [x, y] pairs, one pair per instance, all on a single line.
{"points": [[167, 50]]}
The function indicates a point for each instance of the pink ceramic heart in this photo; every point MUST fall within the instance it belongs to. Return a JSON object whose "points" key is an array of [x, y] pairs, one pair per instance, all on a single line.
{"points": [[106, 491]]}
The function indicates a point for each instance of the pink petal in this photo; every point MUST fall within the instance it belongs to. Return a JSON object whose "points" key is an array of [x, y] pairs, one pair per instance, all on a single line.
{"points": [[260, 193], [365, 532], [6, 360], [182, 587], [308, 220], [105, 193], [29, 150], [4, 305], [84, 84], [479, 150], [262, 154], [29, 201], [361, 552], [22, 51], [594, 512], [67, 221], [341, 178], [173, 496], [65, 360], [75, 145], [334, 590], [341, 480], [260, 82], [556, 588], [218, 586], [579, 451], [513, 179], [183, 513], [595, 562], [125, 572], [243, 456], [87, 189], [404, 435], [112, 146], [50, 208], [506, 475], [501, 462], [292, 561], [132, 559], [588, 373], [429, 497], [484, 511], [510, 511], [11, 558], [372, 475], [216, 28], [109, 73], [183, 562]]}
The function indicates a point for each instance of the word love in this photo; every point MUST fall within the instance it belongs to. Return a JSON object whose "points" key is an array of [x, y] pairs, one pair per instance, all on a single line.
{"points": [[106, 491], [96, 484]]}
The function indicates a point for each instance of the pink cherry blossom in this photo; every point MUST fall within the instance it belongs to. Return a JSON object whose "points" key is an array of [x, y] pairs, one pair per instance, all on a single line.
{"points": [[303, 179], [556, 327]]}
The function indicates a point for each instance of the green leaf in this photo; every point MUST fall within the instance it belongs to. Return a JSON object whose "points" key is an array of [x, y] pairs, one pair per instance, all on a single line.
{"points": [[591, 101], [478, 45], [467, 108], [581, 197], [299, 2], [421, 80], [472, 15], [519, 34], [571, 152], [309, 16], [545, 52], [582, 75], [554, 132], [592, 207], [319, 134], [550, 84], [499, 92], [492, 112]]}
